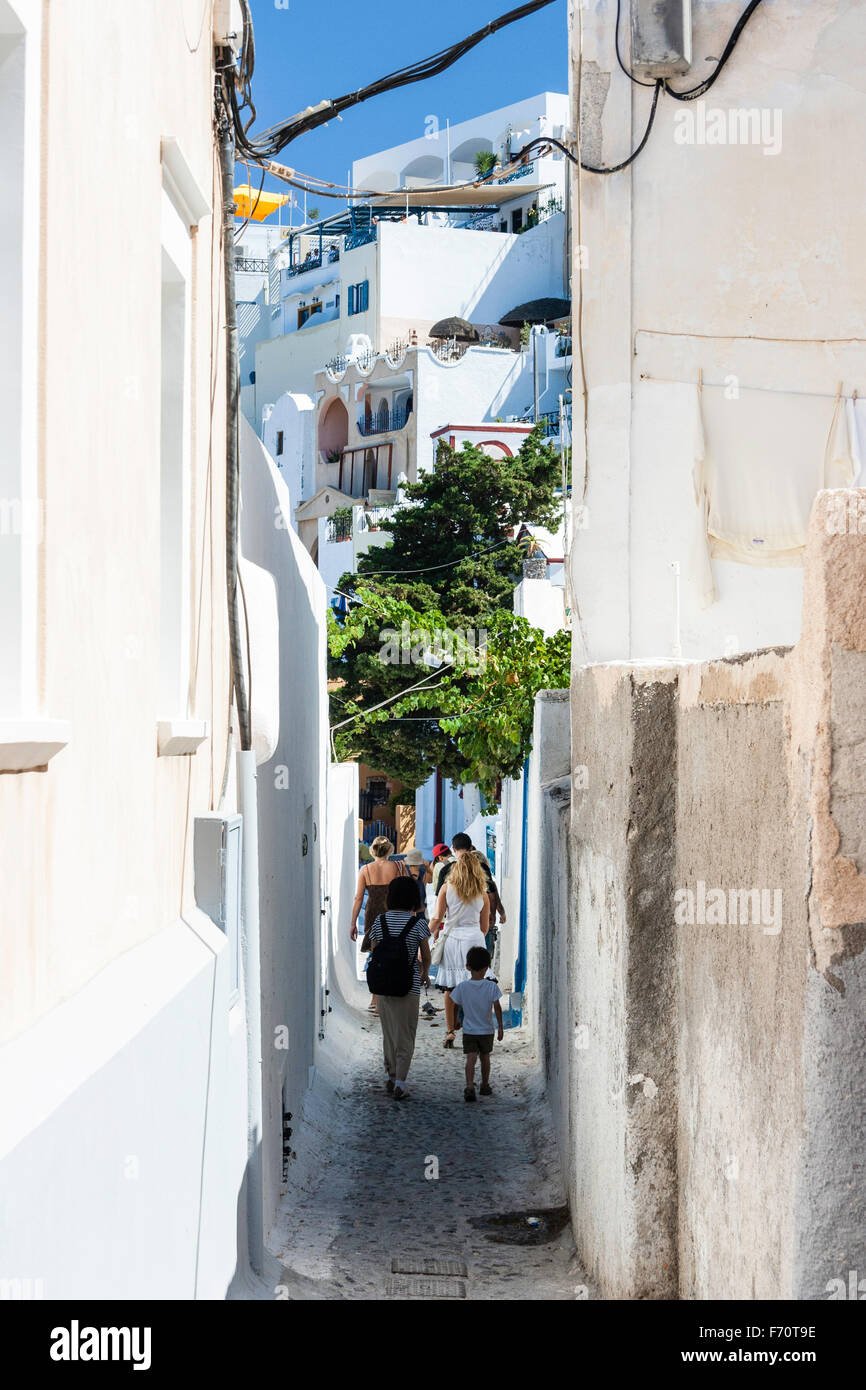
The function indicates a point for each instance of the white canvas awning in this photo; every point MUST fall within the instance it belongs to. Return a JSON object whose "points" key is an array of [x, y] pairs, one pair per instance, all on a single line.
{"points": [[487, 195]]}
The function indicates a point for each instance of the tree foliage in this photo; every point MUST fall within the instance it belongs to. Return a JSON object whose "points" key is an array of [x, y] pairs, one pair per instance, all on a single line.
{"points": [[457, 564]]}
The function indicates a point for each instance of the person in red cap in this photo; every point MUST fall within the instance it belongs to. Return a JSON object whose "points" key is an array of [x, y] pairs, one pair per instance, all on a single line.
{"points": [[441, 856]]}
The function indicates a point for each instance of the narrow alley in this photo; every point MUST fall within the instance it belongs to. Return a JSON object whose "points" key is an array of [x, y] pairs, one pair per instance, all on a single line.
{"points": [[408, 1200]]}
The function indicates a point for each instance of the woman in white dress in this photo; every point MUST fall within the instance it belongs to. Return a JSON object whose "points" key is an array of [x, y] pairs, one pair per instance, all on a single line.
{"points": [[463, 907]]}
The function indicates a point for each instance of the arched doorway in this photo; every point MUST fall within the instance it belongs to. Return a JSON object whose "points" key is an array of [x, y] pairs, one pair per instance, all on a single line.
{"points": [[333, 429]]}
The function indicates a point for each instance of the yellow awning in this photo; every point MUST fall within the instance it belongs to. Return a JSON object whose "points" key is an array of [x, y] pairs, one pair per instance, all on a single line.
{"points": [[249, 202]]}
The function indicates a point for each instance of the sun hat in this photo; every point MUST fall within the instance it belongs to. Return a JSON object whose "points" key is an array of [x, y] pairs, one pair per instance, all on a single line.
{"points": [[414, 856]]}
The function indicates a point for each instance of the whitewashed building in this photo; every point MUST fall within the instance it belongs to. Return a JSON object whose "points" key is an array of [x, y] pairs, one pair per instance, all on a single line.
{"points": [[141, 1125]]}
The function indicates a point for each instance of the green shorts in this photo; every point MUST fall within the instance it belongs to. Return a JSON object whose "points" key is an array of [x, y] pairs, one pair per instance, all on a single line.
{"points": [[478, 1042]]}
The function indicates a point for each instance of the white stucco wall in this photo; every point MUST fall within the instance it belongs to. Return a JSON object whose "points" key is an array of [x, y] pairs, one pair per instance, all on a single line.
{"points": [[428, 273], [293, 415], [123, 1140], [545, 114], [292, 800], [696, 261]]}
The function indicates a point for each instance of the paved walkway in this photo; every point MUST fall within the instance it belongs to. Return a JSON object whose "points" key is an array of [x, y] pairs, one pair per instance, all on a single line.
{"points": [[368, 1217]]}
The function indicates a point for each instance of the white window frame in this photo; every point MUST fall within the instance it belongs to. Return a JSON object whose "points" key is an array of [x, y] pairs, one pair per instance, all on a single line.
{"points": [[28, 739], [184, 204]]}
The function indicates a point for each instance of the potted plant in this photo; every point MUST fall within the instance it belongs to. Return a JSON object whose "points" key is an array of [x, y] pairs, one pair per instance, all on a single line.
{"points": [[485, 162]]}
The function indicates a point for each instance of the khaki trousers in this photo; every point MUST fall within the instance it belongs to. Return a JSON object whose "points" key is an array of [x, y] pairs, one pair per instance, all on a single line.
{"points": [[399, 1019]]}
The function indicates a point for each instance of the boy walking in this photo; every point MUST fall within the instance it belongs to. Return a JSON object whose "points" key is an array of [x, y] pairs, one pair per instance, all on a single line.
{"points": [[479, 999]]}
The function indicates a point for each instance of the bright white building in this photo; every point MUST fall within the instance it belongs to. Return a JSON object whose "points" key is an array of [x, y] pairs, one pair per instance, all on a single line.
{"points": [[141, 1124]]}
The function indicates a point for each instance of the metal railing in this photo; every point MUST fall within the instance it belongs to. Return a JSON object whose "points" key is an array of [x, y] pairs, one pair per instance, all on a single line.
{"points": [[339, 528], [396, 351], [551, 421], [525, 171], [449, 350], [383, 421], [363, 237], [376, 518], [251, 265]]}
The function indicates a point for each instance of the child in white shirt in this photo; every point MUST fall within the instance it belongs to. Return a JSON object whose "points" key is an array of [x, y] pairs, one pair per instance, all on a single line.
{"points": [[479, 999]]}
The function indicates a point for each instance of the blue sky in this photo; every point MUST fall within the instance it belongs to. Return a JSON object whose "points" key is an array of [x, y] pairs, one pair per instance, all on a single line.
{"points": [[315, 49]]}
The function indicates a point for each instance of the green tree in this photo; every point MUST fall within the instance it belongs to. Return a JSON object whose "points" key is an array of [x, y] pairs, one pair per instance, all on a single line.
{"points": [[456, 567]]}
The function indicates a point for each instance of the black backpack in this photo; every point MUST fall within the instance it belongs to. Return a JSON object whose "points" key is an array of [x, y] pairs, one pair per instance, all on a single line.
{"points": [[391, 972]]}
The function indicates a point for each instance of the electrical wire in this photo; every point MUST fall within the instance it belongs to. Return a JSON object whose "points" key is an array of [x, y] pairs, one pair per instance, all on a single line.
{"points": [[631, 77], [595, 168], [693, 92], [246, 222], [429, 569], [274, 139]]}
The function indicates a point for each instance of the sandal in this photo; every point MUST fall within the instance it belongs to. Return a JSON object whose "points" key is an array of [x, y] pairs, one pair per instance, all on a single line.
{"points": [[371, 1009], [448, 1040]]}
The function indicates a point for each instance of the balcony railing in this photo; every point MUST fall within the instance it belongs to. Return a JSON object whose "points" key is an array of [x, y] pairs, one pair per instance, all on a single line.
{"points": [[448, 350], [362, 237], [339, 528], [252, 265], [329, 256], [524, 171], [376, 518], [551, 422], [383, 421]]}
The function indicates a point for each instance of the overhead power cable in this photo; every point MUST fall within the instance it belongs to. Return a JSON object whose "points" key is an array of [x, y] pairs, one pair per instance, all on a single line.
{"points": [[275, 139], [693, 92]]}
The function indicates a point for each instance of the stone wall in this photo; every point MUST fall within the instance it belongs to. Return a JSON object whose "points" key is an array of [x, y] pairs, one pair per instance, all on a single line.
{"points": [[711, 1114]]}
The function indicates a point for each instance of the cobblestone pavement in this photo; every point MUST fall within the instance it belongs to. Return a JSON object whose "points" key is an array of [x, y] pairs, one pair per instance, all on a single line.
{"points": [[362, 1220]]}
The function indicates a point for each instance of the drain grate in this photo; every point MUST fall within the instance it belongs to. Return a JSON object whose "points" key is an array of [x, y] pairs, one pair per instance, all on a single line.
{"points": [[412, 1264], [535, 1227], [407, 1286]]}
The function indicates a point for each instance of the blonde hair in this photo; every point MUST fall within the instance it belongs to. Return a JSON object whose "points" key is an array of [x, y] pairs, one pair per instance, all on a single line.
{"points": [[381, 847], [467, 878]]}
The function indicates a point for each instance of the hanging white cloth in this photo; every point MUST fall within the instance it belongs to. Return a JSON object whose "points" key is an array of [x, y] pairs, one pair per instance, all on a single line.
{"points": [[758, 473], [856, 411]]}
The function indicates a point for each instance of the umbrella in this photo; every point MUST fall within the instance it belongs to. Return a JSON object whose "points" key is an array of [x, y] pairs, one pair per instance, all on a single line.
{"points": [[537, 311], [454, 328], [250, 203]]}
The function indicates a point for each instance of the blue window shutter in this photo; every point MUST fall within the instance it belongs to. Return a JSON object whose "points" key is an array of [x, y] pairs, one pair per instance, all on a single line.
{"points": [[351, 299]]}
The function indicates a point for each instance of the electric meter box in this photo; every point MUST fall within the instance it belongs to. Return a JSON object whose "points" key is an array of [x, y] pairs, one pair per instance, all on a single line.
{"points": [[661, 37]]}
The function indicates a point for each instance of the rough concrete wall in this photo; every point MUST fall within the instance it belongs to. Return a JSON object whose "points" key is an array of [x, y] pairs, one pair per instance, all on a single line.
{"points": [[741, 990], [715, 1117], [828, 727], [548, 779], [622, 1097]]}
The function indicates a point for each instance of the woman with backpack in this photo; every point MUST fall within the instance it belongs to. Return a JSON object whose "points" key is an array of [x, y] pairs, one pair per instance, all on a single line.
{"points": [[464, 908], [397, 938], [374, 880]]}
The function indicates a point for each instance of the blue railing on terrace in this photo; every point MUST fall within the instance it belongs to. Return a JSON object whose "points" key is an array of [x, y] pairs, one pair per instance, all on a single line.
{"points": [[328, 257], [551, 422], [383, 421], [525, 171], [362, 237]]}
